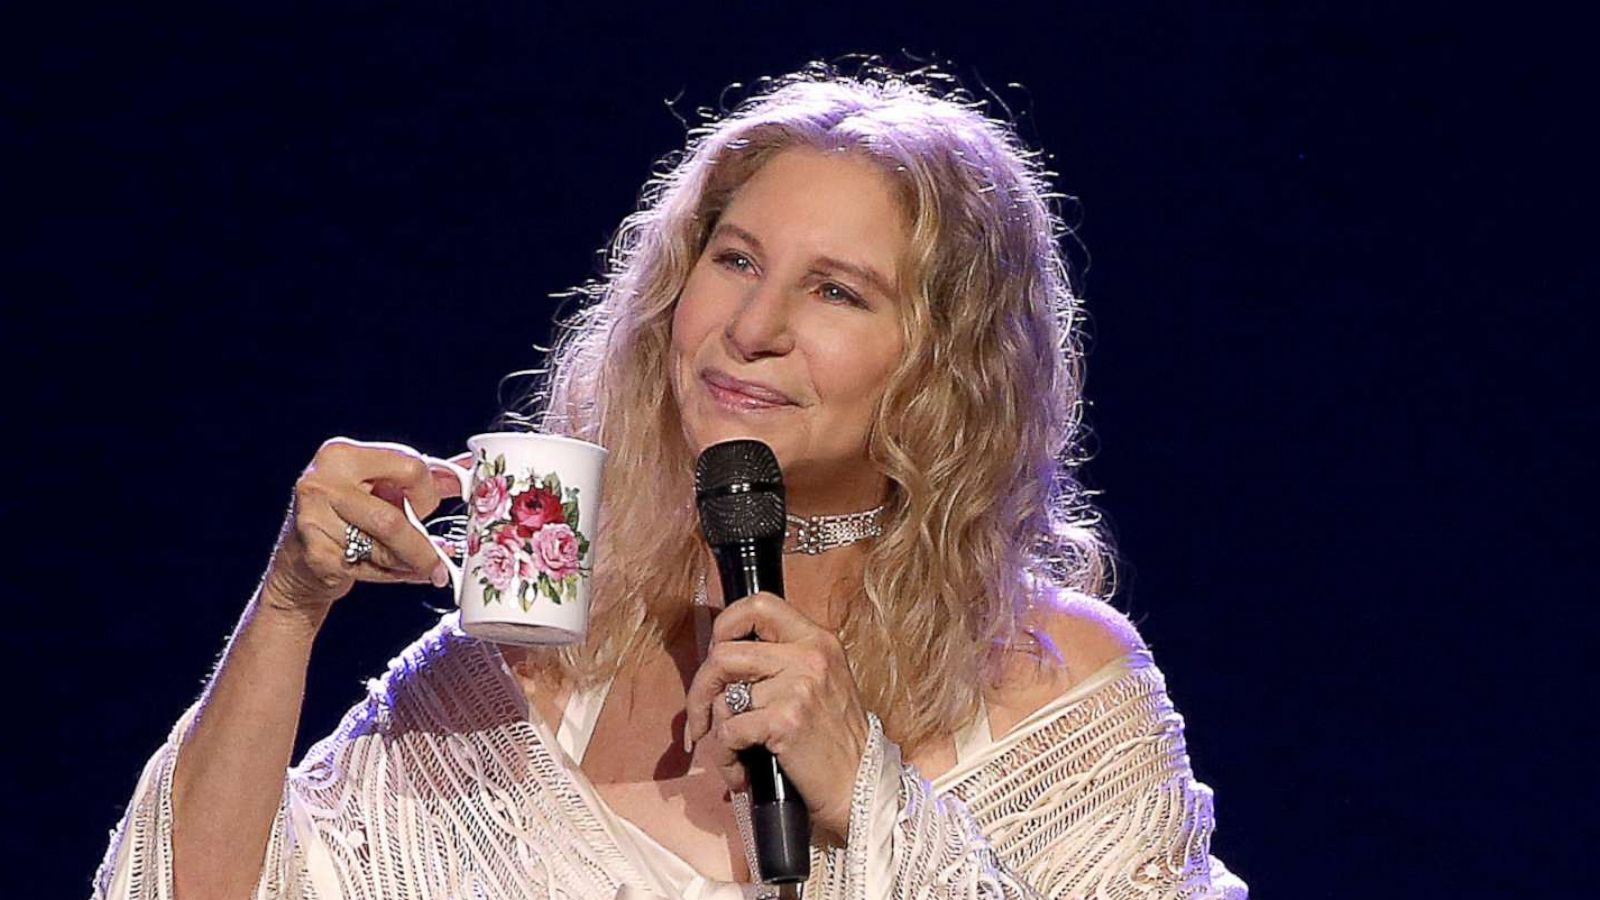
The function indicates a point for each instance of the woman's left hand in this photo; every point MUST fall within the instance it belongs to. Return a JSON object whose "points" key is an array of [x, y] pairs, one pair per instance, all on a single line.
{"points": [[805, 706]]}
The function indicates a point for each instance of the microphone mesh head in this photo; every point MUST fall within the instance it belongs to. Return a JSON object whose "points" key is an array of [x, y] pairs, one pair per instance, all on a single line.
{"points": [[739, 489]]}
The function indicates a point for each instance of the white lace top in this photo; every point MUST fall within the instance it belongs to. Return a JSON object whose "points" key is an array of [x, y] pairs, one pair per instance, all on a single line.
{"points": [[442, 783]]}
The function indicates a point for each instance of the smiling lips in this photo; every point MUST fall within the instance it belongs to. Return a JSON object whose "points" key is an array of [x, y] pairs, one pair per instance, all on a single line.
{"points": [[739, 394]]}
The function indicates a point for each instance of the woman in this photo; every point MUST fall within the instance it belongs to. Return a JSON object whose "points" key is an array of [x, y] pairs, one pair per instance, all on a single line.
{"points": [[864, 274]]}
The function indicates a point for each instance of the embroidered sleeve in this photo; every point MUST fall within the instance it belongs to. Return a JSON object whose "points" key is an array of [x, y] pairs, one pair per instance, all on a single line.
{"points": [[1093, 799], [138, 861], [433, 785], [907, 841], [317, 844]]}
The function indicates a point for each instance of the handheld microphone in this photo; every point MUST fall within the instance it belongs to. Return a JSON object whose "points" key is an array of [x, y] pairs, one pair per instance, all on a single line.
{"points": [[739, 490]]}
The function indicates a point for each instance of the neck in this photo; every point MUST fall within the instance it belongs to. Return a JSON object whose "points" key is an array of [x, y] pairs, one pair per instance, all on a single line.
{"points": [[820, 586], [829, 493]]}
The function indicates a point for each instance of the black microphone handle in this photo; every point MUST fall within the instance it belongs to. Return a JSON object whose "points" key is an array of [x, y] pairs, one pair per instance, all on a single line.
{"points": [[778, 813]]}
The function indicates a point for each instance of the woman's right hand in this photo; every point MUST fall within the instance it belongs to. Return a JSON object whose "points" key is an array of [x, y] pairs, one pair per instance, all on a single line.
{"points": [[358, 483]]}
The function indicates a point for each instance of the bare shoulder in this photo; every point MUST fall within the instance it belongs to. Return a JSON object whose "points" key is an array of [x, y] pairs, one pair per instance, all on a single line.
{"points": [[1079, 635]]}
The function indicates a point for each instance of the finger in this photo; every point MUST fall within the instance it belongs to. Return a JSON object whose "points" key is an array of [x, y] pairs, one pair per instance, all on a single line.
{"points": [[447, 481], [713, 755], [420, 486], [397, 544], [424, 496], [723, 666], [770, 698], [767, 728], [382, 565], [728, 661], [391, 470], [329, 541], [734, 775], [767, 616], [760, 692], [367, 460]]}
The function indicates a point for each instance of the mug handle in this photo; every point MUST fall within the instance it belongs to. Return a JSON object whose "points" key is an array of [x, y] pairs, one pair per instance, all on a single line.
{"points": [[463, 475]]}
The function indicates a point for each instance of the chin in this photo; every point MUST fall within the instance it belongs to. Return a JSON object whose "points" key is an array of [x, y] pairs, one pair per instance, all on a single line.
{"points": [[701, 438], [780, 438]]}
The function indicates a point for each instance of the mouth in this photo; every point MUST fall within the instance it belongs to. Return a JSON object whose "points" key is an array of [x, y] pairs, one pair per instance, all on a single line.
{"points": [[736, 393]]}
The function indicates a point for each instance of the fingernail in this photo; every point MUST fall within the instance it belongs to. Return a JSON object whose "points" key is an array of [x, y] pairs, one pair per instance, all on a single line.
{"points": [[688, 742], [441, 576]]}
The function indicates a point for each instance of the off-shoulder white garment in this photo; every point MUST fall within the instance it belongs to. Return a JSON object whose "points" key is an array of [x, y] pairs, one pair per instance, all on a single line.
{"points": [[577, 726], [442, 783], [572, 737]]}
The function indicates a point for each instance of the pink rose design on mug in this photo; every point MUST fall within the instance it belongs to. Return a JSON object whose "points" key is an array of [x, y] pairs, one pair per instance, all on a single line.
{"points": [[523, 535], [491, 498], [507, 537], [499, 566], [555, 548]]}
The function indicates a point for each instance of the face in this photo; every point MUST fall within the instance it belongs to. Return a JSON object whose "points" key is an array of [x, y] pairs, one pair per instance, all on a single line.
{"points": [[789, 325]]}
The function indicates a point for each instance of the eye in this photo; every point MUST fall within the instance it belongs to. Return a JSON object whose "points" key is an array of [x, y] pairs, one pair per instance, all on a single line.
{"points": [[841, 294], [732, 258], [833, 292]]}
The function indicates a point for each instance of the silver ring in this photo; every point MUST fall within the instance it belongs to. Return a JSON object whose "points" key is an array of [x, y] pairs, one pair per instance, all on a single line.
{"points": [[737, 696], [357, 545]]}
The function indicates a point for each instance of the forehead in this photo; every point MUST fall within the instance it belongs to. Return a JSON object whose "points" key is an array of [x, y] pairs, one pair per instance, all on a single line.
{"points": [[824, 203]]}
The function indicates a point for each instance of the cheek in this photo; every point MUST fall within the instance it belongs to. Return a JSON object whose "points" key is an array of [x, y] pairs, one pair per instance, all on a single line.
{"points": [[855, 377], [680, 332], [680, 353], [694, 323], [693, 317]]}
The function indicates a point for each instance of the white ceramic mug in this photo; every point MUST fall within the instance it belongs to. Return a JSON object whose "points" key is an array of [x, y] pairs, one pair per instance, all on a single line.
{"points": [[532, 504]]}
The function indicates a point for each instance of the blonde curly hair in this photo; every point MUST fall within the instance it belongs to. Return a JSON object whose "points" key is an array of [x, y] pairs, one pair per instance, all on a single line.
{"points": [[977, 432]]}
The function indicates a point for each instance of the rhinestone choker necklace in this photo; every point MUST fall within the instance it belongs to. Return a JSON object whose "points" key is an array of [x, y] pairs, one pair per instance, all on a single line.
{"points": [[815, 534]]}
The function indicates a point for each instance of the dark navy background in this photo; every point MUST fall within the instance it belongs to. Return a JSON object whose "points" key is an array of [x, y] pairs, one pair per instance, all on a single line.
{"points": [[1333, 272]]}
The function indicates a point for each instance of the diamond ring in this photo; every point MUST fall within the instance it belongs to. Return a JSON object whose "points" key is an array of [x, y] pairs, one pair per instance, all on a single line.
{"points": [[357, 545], [737, 696]]}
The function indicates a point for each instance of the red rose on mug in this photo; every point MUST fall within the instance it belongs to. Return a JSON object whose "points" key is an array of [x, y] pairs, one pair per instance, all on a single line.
{"points": [[533, 509]]}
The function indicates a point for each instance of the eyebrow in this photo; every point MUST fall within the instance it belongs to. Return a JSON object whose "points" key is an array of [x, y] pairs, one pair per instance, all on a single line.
{"points": [[865, 273]]}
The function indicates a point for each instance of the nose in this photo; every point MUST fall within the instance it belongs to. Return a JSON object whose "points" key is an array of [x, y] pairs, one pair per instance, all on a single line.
{"points": [[760, 324]]}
